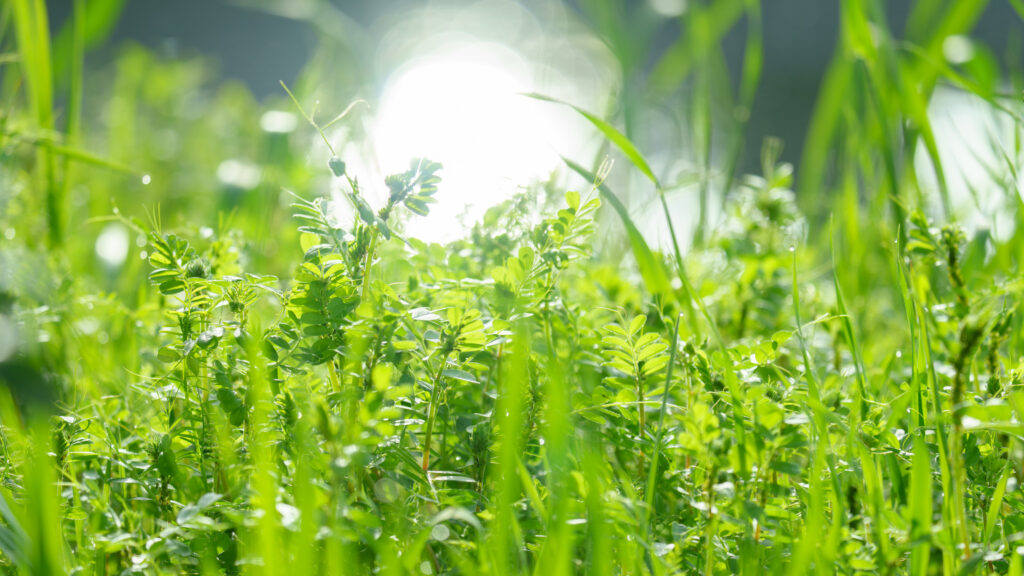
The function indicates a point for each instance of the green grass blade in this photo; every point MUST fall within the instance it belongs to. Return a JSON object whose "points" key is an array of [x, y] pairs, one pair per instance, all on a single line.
{"points": [[995, 505], [1018, 7], [919, 512], [651, 268], [851, 339], [611, 133], [652, 475]]}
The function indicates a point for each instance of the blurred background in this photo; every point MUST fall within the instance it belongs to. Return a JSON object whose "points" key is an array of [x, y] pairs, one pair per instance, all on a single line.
{"points": [[261, 43], [697, 85]]}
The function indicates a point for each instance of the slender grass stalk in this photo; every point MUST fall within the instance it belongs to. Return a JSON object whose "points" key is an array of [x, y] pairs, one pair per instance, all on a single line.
{"points": [[31, 25], [435, 397], [505, 534], [652, 474]]}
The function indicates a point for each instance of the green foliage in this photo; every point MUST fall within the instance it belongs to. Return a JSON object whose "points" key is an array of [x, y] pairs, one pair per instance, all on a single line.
{"points": [[274, 381]]}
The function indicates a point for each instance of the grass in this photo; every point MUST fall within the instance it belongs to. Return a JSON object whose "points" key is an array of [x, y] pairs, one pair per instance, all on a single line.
{"points": [[820, 381]]}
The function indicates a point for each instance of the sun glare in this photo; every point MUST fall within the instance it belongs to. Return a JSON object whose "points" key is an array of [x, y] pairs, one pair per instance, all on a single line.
{"points": [[463, 106]]}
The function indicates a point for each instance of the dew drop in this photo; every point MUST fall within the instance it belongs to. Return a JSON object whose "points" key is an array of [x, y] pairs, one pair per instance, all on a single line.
{"points": [[146, 179]]}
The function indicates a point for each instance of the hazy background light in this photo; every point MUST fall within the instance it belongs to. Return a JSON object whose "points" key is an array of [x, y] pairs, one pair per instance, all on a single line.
{"points": [[278, 121], [958, 49], [669, 8], [975, 143], [112, 245], [8, 338], [452, 87], [441, 80], [238, 173]]}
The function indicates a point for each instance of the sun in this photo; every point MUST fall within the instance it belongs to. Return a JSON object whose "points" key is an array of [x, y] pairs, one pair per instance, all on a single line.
{"points": [[463, 106]]}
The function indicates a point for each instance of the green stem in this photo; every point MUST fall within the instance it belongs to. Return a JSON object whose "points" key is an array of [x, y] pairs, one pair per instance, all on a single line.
{"points": [[709, 550], [652, 474], [641, 424], [956, 459], [435, 395]]}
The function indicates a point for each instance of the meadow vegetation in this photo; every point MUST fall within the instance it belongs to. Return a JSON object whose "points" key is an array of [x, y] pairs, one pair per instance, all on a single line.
{"points": [[260, 373]]}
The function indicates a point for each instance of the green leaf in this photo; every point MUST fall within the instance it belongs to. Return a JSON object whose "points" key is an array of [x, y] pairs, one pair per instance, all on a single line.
{"points": [[636, 325], [572, 199], [612, 134], [996, 503], [168, 354], [616, 342], [172, 287], [462, 375], [337, 166]]}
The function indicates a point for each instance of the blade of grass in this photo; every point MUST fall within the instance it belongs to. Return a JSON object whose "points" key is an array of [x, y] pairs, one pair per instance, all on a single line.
{"points": [[992, 515], [634, 156], [919, 511], [753, 61], [1018, 7], [851, 340], [505, 534], [74, 114], [652, 475], [610, 132], [713, 20], [32, 31], [651, 269], [949, 514], [918, 375], [555, 557]]}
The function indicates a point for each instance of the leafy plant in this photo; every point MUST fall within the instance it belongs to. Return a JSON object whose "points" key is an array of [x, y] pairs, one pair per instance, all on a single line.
{"points": [[269, 381]]}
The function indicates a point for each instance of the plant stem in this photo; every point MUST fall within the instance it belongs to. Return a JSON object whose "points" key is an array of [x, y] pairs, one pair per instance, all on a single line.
{"points": [[432, 411], [367, 265], [641, 424], [653, 472]]}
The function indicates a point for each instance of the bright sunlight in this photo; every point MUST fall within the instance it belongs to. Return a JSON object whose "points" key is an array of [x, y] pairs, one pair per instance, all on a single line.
{"points": [[463, 106]]}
